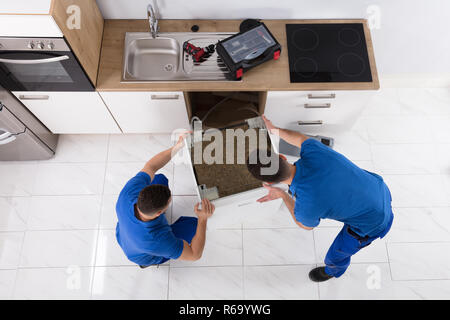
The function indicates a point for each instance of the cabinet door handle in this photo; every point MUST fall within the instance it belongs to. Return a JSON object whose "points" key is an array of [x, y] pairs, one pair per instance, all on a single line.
{"points": [[6, 137], [310, 123], [317, 106], [34, 97], [165, 96], [322, 96]]}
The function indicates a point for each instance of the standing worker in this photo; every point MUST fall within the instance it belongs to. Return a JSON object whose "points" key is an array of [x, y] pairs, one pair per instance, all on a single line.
{"points": [[325, 184], [143, 232]]}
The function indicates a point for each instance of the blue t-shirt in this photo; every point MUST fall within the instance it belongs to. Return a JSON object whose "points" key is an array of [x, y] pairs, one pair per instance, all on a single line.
{"points": [[144, 243], [327, 185]]}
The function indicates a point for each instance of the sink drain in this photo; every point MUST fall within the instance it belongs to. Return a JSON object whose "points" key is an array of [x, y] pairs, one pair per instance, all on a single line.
{"points": [[168, 67]]}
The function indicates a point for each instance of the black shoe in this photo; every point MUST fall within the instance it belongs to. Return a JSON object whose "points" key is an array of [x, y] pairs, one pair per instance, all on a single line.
{"points": [[319, 275]]}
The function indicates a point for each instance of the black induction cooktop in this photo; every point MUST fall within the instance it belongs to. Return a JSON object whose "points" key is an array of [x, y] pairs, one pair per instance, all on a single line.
{"points": [[328, 53]]}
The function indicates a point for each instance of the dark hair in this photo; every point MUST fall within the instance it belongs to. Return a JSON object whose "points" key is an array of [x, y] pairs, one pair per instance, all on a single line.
{"points": [[259, 160], [153, 198]]}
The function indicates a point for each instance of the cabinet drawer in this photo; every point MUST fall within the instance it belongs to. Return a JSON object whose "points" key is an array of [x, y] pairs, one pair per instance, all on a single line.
{"points": [[70, 112], [148, 112], [310, 110]]}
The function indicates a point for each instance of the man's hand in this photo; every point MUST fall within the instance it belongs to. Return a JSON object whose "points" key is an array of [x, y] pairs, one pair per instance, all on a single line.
{"points": [[292, 137], [177, 147], [206, 211], [274, 193], [269, 125], [194, 251]]}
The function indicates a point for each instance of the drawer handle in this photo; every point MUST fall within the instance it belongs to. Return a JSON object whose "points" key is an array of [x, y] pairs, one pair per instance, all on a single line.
{"points": [[245, 204], [317, 106], [310, 123], [34, 97], [322, 96], [165, 97]]}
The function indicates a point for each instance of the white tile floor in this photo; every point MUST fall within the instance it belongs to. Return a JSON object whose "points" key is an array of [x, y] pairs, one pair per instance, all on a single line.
{"points": [[57, 221]]}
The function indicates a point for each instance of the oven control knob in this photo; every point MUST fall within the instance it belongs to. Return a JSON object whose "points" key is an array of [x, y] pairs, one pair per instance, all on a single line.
{"points": [[40, 45], [30, 45], [51, 46]]}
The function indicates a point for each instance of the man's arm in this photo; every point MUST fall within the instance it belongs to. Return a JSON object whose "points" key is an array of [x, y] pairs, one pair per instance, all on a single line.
{"points": [[194, 251], [276, 193], [161, 159], [290, 204], [292, 137]]}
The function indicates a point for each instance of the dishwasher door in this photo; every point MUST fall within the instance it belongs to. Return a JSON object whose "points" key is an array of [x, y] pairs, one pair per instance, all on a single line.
{"points": [[17, 142]]}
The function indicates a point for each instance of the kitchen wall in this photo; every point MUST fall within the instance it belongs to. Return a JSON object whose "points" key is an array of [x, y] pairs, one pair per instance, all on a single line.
{"points": [[410, 36]]}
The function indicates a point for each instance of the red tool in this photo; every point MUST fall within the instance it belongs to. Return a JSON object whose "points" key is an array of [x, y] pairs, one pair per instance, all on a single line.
{"points": [[197, 53]]}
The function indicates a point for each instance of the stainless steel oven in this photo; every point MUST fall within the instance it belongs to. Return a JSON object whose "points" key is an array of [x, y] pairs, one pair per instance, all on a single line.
{"points": [[40, 64]]}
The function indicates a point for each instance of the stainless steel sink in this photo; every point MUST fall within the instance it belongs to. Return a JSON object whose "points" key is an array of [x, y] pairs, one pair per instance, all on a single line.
{"points": [[163, 59], [153, 59]]}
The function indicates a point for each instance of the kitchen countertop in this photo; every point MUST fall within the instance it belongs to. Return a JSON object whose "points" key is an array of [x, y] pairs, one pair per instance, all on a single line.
{"points": [[272, 75]]}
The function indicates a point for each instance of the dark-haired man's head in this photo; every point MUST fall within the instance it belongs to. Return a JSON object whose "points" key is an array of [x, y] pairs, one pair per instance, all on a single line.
{"points": [[268, 166], [154, 200]]}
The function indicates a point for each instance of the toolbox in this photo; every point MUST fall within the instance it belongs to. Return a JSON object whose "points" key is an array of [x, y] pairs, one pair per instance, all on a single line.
{"points": [[248, 49]]}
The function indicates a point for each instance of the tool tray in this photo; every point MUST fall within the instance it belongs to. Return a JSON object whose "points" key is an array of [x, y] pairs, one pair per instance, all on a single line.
{"points": [[248, 49]]}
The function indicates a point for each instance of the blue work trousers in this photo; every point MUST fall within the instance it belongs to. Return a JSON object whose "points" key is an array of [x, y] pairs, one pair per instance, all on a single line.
{"points": [[346, 244]]}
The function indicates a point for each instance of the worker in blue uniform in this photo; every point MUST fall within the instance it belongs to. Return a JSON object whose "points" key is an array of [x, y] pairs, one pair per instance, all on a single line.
{"points": [[324, 184], [143, 231]]}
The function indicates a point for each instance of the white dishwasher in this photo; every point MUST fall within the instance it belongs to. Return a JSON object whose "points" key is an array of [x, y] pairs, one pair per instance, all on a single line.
{"points": [[229, 186]]}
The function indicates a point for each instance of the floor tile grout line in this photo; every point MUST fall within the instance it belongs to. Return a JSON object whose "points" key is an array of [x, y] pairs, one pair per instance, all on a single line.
{"points": [[201, 267], [168, 282], [58, 230], [416, 242], [20, 262], [169, 264], [250, 265], [56, 195], [112, 229], [421, 280], [91, 284], [243, 261], [389, 260], [65, 267], [316, 258]]}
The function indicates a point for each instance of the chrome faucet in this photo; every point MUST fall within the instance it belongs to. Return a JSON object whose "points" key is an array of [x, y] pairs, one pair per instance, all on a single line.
{"points": [[153, 21]]}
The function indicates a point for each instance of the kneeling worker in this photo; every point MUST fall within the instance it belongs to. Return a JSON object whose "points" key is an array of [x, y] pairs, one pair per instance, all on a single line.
{"points": [[143, 231], [325, 184]]}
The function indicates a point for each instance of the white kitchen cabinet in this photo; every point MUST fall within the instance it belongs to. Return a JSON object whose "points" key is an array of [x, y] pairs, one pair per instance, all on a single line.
{"points": [[26, 18], [29, 26], [70, 112], [148, 112], [316, 112], [25, 7]]}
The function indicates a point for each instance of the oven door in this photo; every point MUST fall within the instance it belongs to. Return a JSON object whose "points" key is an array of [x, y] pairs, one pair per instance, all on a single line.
{"points": [[42, 71]]}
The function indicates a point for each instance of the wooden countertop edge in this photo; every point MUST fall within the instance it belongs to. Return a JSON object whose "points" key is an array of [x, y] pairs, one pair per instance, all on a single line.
{"points": [[110, 67]]}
